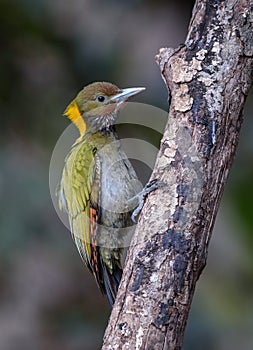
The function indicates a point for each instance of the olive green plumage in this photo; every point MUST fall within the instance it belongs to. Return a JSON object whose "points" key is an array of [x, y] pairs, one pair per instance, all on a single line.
{"points": [[97, 183]]}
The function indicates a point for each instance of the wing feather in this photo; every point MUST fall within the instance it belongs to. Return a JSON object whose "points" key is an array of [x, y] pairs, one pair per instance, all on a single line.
{"points": [[74, 195]]}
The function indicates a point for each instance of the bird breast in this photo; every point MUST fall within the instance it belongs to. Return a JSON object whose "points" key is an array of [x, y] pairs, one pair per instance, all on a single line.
{"points": [[119, 181]]}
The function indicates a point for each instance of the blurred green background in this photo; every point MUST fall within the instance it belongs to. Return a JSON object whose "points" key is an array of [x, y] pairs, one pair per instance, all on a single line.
{"points": [[49, 51]]}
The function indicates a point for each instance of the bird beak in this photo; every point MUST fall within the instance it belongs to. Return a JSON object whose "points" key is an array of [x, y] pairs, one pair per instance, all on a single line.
{"points": [[124, 94]]}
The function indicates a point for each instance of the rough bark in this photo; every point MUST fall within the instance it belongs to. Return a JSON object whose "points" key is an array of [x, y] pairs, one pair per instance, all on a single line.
{"points": [[208, 78]]}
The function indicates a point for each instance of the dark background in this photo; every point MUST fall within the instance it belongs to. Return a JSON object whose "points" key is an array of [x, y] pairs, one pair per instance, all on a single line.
{"points": [[49, 51]]}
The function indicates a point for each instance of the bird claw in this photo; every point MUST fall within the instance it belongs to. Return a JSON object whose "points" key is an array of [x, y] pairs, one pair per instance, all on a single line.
{"points": [[153, 185], [150, 186], [137, 211]]}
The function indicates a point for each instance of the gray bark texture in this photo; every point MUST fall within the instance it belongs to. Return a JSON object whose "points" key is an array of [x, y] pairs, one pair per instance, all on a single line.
{"points": [[208, 79]]}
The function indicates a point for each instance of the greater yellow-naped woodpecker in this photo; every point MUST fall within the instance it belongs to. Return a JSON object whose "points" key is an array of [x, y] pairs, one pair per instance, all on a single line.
{"points": [[98, 183]]}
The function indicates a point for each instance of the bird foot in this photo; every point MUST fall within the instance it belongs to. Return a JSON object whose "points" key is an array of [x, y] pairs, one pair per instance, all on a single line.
{"points": [[150, 186]]}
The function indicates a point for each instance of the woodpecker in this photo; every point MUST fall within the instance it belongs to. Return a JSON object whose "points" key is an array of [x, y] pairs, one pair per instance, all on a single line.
{"points": [[99, 189]]}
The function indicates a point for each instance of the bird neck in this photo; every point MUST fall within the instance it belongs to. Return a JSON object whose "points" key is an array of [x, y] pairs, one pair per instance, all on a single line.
{"points": [[99, 137], [107, 132]]}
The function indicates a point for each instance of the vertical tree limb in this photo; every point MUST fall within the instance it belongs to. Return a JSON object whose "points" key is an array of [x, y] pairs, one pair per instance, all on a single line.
{"points": [[208, 79]]}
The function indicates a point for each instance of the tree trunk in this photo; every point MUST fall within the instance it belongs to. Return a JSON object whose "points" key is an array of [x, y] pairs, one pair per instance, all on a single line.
{"points": [[208, 78]]}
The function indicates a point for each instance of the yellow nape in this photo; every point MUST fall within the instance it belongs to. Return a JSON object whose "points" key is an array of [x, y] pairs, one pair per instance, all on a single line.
{"points": [[73, 113]]}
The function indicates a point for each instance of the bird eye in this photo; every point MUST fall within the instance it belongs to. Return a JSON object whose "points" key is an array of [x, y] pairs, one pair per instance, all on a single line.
{"points": [[100, 98]]}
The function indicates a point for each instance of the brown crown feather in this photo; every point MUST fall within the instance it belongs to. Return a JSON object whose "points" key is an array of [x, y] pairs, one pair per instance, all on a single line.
{"points": [[103, 88]]}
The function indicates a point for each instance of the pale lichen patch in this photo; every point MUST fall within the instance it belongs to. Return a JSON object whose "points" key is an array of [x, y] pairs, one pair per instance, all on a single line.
{"points": [[183, 71], [201, 54], [205, 79], [163, 56], [154, 278], [182, 100]]}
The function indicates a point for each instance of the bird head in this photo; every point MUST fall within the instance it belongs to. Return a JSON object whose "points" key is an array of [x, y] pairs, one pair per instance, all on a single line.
{"points": [[96, 106]]}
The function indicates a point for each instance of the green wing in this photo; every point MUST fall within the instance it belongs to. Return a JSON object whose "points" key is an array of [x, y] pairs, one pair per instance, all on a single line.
{"points": [[78, 185]]}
